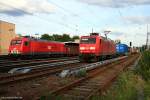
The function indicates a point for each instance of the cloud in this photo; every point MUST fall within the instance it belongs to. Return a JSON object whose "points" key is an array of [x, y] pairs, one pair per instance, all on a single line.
{"points": [[115, 31], [116, 3], [23, 7], [137, 19]]}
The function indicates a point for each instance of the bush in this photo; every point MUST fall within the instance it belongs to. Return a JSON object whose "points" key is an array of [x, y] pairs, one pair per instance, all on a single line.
{"points": [[127, 87], [143, 67], [147, 91], [81, 73], [51, 97], [132, 85]]}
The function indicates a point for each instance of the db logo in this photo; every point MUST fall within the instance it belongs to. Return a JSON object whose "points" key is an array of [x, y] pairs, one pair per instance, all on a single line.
{"points": [[49, 47]]}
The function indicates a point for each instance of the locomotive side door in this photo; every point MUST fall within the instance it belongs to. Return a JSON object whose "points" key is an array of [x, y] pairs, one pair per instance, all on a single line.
{"points": [[101, 47], [26, 46]]}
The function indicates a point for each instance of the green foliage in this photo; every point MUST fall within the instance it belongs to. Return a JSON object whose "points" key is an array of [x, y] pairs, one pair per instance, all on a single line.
{"points": [[61, 38], [75, 37], [66, 37], [51, 97], [56, 37], [43, 98], [147, 90], [143, 48], [46, 37], [81, 73], [19, 35], [132, 85], [126, 88], [143, 67]]}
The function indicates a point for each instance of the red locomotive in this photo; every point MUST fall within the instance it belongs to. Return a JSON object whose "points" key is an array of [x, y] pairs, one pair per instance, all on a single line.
{"points": [[95, 47], [26, 46]]}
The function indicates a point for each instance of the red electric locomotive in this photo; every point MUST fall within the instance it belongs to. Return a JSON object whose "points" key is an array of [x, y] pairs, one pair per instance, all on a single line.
{"points": [[31, 46], [95, 47]]}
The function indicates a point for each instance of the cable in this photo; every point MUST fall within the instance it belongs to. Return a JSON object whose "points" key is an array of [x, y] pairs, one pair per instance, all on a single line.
{"points": [[69, 12], [22, 11], [119, 11]]}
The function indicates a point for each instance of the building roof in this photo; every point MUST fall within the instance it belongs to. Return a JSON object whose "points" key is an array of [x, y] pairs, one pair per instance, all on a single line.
{"points": [[6, 22]]}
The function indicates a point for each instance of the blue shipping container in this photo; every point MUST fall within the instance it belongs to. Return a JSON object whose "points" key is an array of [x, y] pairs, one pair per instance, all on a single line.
{"points": [[122, 48]]}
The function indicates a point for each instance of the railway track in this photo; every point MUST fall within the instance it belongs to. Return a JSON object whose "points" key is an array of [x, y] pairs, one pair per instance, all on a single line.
{"points": [[41, 70], [3, 57], [5, 61], [5, 67], [38, 72], [97, 81]]}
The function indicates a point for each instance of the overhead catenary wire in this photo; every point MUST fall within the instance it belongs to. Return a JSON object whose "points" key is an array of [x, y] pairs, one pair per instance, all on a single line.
{"points": [[122, 16], [70, 13], [22, 11], [119, 12]]}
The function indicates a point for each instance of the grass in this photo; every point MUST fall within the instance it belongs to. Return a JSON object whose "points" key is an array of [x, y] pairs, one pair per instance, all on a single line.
{"points": [[126, 88], [147, 91], [50, 97], [131, 85], [143, 68]]}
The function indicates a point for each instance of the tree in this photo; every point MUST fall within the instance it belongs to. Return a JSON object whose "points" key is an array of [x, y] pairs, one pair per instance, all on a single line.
{"points": [[60, 38], [57, 37], [45, 37], [75, 37], [19, 35], [65, 38]]}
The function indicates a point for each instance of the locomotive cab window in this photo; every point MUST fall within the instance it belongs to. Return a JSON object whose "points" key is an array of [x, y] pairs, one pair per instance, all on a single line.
{"points": [[88, 40], [16, 42], [26, 43]]}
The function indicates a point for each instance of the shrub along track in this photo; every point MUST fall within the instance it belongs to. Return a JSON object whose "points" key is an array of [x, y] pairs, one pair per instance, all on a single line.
{"points": [[97, 81]]}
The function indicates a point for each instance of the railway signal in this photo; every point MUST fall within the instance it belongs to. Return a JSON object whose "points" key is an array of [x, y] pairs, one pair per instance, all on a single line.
{"points": [[130, 44]]}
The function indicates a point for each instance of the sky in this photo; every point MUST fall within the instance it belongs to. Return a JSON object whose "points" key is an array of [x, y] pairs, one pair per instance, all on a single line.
{"points": [[126, 19]]}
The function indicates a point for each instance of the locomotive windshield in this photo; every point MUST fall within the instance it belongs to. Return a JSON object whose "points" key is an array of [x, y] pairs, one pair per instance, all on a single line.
{"points": [[16, 42], [88, 40]]}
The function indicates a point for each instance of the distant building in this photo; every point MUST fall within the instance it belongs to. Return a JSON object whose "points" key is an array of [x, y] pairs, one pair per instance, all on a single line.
{"points": [[77, 40], [7, 32], [117, 41]]}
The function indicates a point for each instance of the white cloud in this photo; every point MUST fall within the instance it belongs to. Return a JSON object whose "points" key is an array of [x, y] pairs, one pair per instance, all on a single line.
{"points": [[133, 33], [137, 19], [22, 7], [116, 3]]}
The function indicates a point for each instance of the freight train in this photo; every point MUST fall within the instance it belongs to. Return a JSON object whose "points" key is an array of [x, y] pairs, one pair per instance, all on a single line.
{"points": [[29, 46], [91, 48], [95, 47]]}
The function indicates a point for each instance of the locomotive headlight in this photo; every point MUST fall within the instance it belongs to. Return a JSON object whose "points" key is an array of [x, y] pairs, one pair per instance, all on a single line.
{"points": [[16, 51], [12, 51], [82, 48], [92, 48]]}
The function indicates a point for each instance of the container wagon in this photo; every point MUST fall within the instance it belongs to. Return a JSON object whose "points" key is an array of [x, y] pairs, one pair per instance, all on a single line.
{"points": [[122, 49]]}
